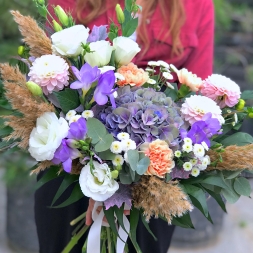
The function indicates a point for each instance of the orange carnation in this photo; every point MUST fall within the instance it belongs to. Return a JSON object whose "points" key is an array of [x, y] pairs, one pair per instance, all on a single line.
{"points": [[133, 75], [161, 158]]}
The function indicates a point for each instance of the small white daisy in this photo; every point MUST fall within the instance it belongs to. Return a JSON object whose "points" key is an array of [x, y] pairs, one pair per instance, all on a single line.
{"points": [[116, 147], [88, 114], [204, 145], [118, 160], [173, 68], [187, 147], [163, 64], [187, 166], [187, 141], [167, 75], [119, 76], [151, 81], [193, 161], [195, 172], [165, 70], [150, 70], [198, 150], [153, 63], [169, 85], [177, 153], [123, 136], [75, 118], [70, 114], [128, 144]]}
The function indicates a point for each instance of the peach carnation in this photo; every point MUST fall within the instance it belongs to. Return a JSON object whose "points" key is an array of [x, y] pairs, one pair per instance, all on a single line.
{"points": [[222, 90], [133, 75], [161, 158], [195, 107], [50, 72]]}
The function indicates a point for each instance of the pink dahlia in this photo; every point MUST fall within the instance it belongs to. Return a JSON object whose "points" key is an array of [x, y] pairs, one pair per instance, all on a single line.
{"points": [[222, 90], [50, 72], [195, 107]]}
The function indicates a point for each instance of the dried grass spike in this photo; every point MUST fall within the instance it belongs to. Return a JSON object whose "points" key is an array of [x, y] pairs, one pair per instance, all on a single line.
{"points": [[33, 35]]}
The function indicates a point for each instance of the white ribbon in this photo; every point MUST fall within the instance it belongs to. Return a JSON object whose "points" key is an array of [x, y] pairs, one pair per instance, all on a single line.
{"points": [[93, 244]]}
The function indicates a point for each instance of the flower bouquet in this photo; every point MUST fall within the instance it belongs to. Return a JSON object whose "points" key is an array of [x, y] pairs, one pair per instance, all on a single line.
{"points": [[127, 138]]}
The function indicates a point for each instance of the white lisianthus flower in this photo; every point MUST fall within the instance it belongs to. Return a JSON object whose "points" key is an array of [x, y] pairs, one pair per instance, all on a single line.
{"points": [[70, 114], [118, 160], [101, 55], [75, 118], [128, 144], [187, 140], [187, 166], [195, 172], [68, 42], [125, 50], [198, 150], [87, 114], [123, 136], [116, 147], [177, 153], [99, 187], [47, 136], [187, 147]]}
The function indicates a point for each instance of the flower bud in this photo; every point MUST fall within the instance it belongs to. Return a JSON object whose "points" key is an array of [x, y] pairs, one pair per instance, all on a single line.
{"points": [[34, 88], [73, 143], [250, 114], [42, 2], [21, 50], [120, 14], [114, 174], [240, 105], [61, 14], [57, 27]]}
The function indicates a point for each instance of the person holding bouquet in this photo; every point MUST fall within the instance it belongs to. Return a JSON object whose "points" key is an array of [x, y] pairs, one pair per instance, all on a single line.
{"points": [[178, 32]]}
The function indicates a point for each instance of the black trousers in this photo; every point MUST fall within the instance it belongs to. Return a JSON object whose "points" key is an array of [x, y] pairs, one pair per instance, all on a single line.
{"points": [[54, 230]]}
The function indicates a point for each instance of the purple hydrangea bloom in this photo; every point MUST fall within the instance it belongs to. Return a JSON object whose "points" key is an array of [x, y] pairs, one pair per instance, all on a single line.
{"points": [[85, 77], [78, 129], [104, 88]]}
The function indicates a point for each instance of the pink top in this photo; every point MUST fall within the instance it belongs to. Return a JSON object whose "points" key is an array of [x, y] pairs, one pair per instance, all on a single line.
{"points": [[197, 35]]}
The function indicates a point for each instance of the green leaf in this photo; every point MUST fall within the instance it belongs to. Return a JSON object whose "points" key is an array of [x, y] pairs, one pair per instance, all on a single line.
{"points": [[68, 99], [231, 174], [247, 94], [76, 194], [104, 144], [215, 180], [142, 165], [133, 158], [5, 131], [134, 219], [96, 130], [147, 226], [112, 36], [218, 198], [173, 94], [109, 214], [239, 139], [107, 155], [66, 182], [183, 221], [51, 173], [230, 194], [242, 186], [128, 5], [130, 27], [124, 175], [119, 214]]}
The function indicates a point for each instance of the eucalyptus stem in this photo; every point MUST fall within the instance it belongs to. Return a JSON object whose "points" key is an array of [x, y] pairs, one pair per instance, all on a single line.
{"points": [[109, 240], [74, 240]]}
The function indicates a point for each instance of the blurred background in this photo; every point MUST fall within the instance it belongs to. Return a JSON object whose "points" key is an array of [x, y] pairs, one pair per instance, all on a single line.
{"points": [[232, 232]]}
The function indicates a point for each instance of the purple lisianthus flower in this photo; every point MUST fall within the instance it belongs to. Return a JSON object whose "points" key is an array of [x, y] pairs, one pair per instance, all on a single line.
{"points": [[98, 33], [104, 89], [86, 76], [64, 154], [78, 129]]}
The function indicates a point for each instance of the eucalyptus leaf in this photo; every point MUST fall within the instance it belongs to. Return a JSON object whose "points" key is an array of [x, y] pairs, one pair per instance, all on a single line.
{"points": [[142, 165], [104, 144], [124, 175], [133, 158], [242, 186], [96, 130], [107, 155], [247, 94]]}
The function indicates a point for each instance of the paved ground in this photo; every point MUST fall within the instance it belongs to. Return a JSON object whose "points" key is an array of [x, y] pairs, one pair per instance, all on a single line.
{"points": [[236, 235]]}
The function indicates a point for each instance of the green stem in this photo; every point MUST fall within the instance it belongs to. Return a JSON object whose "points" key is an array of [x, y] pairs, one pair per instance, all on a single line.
{"points": [[82, 216], [109, 239], [74, 240]]}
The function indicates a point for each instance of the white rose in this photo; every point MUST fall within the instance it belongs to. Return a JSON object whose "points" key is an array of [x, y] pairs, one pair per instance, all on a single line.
{"points": [[99, 187], [68, 42], [101, 55], [125, 50], [46, 137]]}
